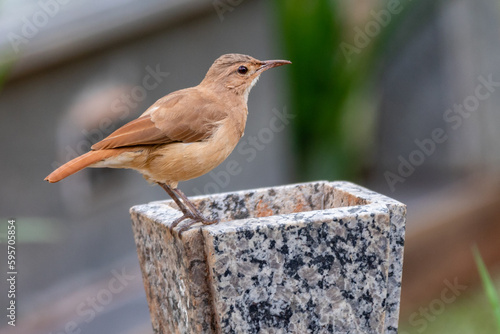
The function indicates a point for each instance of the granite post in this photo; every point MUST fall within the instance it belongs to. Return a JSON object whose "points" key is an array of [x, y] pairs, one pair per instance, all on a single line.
{"points": [[321, 257]]}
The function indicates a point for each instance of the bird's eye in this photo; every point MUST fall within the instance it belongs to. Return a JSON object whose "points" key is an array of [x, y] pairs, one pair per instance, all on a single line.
{"points": [[242, 70]]}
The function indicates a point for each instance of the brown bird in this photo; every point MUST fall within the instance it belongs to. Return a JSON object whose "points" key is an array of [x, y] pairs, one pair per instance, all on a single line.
{"points": [[183, 135]]}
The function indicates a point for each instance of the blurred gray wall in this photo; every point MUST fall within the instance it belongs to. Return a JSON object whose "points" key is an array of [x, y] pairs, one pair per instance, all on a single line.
{"points": [[438, 64]]}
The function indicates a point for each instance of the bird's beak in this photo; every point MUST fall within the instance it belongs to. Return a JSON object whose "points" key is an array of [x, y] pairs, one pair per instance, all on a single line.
{"points": [[267, 64]]}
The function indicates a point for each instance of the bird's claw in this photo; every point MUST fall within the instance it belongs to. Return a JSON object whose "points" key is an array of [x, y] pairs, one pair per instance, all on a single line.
{"points": [[194, 219]]}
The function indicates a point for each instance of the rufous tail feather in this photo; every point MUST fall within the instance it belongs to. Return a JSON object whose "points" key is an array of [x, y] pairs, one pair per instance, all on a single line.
{"points": [[79, 163]]}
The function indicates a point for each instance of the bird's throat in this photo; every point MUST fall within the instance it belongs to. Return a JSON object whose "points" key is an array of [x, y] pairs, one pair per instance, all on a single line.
{"points": [[249, 88]]}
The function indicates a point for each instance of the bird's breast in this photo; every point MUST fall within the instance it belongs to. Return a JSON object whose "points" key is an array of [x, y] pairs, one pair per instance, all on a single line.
{"points": [[184, 161]]}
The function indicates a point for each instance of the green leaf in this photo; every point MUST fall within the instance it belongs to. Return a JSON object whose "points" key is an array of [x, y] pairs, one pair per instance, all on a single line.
{"points": [[489, 287]]}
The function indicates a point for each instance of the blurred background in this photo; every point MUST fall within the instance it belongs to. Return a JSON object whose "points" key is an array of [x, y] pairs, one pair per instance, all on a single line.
{"points": [[398, 96]]}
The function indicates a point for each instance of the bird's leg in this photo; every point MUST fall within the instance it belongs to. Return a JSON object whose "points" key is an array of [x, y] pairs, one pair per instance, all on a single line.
{"points": [[188, 209], [185, 211], [198, 215], [194, 210]]}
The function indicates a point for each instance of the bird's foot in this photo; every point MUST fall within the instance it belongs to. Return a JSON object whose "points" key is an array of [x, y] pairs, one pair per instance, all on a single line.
{"points": [[195, 218], [178, 220], [206, 221]]}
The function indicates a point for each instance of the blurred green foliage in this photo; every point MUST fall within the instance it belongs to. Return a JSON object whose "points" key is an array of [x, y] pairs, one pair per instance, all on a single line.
{"points": [[35, 230], [489, 287], [469, 313], [466, 315], [4, 72], [7, 61], [331, 82], [320, 86]]}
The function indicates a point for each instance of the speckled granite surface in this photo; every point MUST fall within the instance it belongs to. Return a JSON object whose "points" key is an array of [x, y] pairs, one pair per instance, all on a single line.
{"points": [[322, 257]]}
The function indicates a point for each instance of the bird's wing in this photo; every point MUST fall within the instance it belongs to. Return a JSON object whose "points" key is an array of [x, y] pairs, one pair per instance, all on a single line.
{"points": [[183, 116]]}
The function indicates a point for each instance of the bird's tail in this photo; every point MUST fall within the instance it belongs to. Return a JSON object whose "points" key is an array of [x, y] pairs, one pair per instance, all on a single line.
{"points": [[79, 163]]}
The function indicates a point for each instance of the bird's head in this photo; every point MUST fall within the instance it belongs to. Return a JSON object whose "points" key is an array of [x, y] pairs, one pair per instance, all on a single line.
{"points": [[237, 72]]}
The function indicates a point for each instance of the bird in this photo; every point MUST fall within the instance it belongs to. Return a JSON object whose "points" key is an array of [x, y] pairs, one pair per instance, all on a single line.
{"points": [[184, 134]]}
